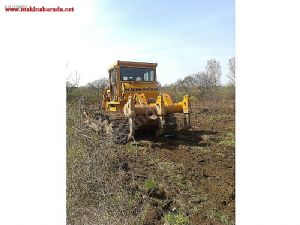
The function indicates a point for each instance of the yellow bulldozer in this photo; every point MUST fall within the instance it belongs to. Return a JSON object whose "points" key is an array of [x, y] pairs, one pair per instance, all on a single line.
{"points": [[133, 102]]}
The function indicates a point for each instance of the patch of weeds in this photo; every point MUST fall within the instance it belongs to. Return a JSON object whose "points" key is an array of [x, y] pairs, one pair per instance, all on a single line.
{"points": [[201, 149], [216, 117], [149, 185], [225, 220], [181, 182], [216, 215], [165, 166], [175, 219], [131, 148], [197, 202], [229, 140], [194, 210], [228, 143], [133, 200], [230, 134], [203, 198]]}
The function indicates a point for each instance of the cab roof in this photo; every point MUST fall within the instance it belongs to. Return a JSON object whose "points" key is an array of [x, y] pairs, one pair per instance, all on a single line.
{"points": [[133, 64]]}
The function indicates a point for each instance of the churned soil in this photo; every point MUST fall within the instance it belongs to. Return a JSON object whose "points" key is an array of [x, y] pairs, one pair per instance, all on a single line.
{"points": [[193, 171]]}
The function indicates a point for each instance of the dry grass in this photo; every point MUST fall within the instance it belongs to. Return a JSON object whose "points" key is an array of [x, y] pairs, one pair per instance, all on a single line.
{"points": [[154, 181], [95, 194]]}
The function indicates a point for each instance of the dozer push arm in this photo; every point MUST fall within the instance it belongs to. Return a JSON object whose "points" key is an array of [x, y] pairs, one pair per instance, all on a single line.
{"points": [[186, 104], [138, 105]]}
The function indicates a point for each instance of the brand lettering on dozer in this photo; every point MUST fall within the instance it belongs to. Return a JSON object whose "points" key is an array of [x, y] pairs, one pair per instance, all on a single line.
{"points": [[141, 89]]}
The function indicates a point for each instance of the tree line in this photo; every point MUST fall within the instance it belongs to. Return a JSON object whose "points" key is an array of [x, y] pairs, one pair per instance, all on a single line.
{"points": [[206, 84], [203, 84]]}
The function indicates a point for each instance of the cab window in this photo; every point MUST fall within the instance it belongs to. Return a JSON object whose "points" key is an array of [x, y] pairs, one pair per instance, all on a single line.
{"points": [[137, 74]]}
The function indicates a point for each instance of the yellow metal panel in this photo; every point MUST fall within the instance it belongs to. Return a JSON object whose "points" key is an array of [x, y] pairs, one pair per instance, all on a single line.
{"points": [[167, 99], [114, 103], [149, 89]]}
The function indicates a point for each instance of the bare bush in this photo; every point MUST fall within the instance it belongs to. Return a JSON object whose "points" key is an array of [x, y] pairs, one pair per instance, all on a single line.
{"points": [[185, 85], [213, 73], [72, 83], [98, 86], [231, 75], [202, 80]]}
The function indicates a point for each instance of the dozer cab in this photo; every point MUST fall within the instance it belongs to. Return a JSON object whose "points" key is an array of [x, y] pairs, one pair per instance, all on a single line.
{"points": [[132, 102]]}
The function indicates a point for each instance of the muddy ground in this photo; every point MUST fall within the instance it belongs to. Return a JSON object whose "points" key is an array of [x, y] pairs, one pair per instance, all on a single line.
{"points": [[188, 178]]}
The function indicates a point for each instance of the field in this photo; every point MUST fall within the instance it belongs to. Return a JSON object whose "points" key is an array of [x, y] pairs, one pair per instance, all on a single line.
{"points": [[188, 178]]}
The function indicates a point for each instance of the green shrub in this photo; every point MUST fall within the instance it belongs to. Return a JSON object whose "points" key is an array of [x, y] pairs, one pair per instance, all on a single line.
{"points": [[149, 185], [175, 219]]}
